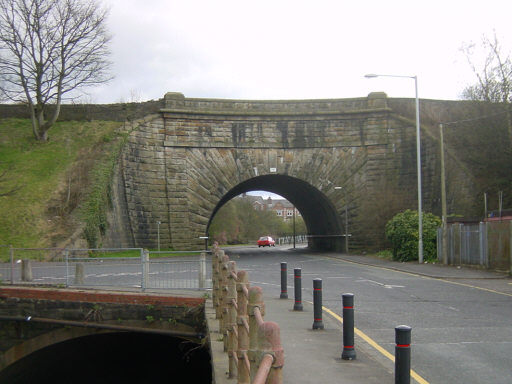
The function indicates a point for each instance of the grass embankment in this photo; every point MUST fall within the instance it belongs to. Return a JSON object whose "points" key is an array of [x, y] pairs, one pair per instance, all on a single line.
{"points": [[59, 184]]}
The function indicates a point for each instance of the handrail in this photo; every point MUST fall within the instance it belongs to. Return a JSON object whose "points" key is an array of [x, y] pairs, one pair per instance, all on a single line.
{"points": [[252, 344]]}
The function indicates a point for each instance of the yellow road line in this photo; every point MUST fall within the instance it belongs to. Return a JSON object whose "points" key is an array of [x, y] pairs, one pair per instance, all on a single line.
{"points": [[474, 286], [374, 344]]}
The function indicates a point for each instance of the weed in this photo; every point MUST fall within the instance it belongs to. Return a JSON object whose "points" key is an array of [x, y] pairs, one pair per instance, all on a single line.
{"points": [[385, 254], [172, 321]]}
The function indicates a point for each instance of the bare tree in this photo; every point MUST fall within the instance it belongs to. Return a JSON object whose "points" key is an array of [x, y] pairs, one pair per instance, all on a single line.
{"points": [[48, 49], [494, 75]]}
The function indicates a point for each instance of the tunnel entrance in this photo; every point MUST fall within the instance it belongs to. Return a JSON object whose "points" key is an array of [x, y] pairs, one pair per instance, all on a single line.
{"points": [[125, 357], [322, 221]]}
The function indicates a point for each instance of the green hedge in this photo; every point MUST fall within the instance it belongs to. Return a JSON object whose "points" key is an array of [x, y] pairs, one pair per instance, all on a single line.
{"points": [[402, 231]]}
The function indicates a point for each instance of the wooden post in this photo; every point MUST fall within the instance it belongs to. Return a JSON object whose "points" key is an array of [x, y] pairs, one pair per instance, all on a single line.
{"points": [[231, 343], [269, 341], [256, 311], [244, 366], [223, 292]]}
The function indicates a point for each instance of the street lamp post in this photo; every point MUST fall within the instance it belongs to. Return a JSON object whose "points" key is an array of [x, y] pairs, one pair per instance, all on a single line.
{"points": [[346, 219], [158, 234], [418, 159], [294, 227]]}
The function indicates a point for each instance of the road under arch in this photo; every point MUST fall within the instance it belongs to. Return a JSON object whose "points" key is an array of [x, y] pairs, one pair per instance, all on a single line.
{"points": [[319, 214]]}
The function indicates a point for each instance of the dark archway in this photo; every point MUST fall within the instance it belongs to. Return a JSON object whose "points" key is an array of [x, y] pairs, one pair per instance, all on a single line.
{"points": [[319, 214], [113, 358]]}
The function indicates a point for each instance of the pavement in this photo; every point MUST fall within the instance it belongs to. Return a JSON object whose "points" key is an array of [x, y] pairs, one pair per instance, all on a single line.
{"points": [[314, 356]]}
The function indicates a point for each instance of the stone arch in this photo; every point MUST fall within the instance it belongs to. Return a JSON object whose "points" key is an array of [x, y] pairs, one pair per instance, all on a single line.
{"points": [[108, 352], [29, 346], [183, 164], [318, 211]]}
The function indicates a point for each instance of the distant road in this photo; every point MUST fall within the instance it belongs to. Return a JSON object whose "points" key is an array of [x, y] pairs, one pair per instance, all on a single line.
{"points": [[459, 334]]}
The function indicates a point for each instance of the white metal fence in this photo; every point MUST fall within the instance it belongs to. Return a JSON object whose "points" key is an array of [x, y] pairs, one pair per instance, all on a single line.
{"points": [[100, 268], [289, 239]]}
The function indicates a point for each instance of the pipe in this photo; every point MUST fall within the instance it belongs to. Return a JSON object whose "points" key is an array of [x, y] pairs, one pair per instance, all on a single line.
{"points": [[193, 336]]}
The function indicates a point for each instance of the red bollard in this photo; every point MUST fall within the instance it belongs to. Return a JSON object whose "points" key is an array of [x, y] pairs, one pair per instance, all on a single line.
{"points": [[284, 281], [403, 354], [297, 273], [317, 304], [349, 353]]}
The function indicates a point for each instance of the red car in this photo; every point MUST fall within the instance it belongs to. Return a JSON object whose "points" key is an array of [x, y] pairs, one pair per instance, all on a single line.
{"points": [[266, 241]]}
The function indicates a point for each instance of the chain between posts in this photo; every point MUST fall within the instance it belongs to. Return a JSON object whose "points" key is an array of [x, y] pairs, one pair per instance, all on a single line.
{"points": [[252, 344]]}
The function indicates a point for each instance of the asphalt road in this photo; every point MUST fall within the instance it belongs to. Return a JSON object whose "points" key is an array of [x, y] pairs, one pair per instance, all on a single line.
{"points": [[460, 334]]}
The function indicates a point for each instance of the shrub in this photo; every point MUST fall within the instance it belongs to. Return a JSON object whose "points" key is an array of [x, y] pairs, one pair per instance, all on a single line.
{"points": [[402, 232]]}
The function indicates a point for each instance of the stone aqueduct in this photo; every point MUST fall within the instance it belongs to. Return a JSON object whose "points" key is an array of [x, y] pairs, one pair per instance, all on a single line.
{"points": [[183, 163]]}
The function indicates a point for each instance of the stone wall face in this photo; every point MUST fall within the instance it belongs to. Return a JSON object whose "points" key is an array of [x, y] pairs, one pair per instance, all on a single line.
{"points": [[181, 163], [185, 155]]}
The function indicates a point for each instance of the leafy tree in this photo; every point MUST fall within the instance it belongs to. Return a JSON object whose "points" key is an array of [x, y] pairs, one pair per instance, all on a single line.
{"points": [[237, 222], [48, 49], [225, 225], [402, 231]]}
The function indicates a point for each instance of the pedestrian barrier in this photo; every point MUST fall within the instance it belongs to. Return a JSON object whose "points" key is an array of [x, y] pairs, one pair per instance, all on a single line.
{"points": [[108, 267], [253, 345], [402, 332]]}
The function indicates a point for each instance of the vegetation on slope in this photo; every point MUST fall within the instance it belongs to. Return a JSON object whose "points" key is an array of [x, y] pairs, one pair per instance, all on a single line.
{"points": [[53, 179]]}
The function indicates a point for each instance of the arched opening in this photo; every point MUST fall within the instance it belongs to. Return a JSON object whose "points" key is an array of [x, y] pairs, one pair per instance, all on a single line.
{"points": [[319, 214], [119, 357]]}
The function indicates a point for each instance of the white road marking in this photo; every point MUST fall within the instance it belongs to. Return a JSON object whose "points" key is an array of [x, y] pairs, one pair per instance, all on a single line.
{"points": [[389, 286]]}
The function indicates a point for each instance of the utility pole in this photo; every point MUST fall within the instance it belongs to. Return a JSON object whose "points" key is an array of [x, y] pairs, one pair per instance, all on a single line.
{"points": [[444, 237], [294, 226]]}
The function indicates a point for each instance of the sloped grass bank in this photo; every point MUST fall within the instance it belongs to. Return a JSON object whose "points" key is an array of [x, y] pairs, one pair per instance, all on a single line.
{"points": [[53, 180]]}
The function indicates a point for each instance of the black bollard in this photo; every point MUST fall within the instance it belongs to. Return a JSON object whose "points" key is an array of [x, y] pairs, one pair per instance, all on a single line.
{"points": [[403, 354], [317, 304], [349, 353], [284, 281], [297, 276]]}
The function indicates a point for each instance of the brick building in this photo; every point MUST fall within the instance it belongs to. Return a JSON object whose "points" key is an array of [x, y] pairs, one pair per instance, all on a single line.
{"points": [[282, 207]]}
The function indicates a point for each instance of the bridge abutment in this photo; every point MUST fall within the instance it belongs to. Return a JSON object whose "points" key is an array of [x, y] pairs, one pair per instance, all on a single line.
{"points": [[183, 164]]}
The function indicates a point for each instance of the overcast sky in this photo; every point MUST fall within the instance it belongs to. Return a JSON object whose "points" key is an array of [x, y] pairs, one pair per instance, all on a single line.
{"points": [[293, 49]]}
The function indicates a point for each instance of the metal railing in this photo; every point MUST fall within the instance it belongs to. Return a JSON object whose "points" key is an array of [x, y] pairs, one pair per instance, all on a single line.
{"points": [[100, 268], [285, 240]]}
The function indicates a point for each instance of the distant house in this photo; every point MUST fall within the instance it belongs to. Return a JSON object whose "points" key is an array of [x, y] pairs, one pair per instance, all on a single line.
{"points": [[282, 207]]}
